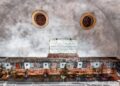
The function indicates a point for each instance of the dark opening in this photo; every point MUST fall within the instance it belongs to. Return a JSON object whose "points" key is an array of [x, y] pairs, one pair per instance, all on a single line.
{"points": [[40, 19], [88, 21]]}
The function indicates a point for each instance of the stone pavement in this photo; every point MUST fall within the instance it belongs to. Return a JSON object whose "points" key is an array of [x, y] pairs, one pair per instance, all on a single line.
{"points": [[95, 83]]}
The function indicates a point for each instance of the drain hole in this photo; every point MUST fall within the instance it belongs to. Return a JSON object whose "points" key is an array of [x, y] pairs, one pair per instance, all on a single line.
{"points": [[40, 18], [87, 21]]}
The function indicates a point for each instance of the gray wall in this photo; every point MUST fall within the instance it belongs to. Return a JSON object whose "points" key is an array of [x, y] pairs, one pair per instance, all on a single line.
{"points": [[19, 37]]}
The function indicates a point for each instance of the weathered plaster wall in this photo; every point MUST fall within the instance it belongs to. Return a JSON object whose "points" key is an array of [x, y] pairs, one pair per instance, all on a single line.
{"points": [[19, 37], [111, 9]]}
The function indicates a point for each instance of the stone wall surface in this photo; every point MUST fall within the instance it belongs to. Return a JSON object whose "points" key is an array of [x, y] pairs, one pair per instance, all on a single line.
{"points": [[19, 37]]}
